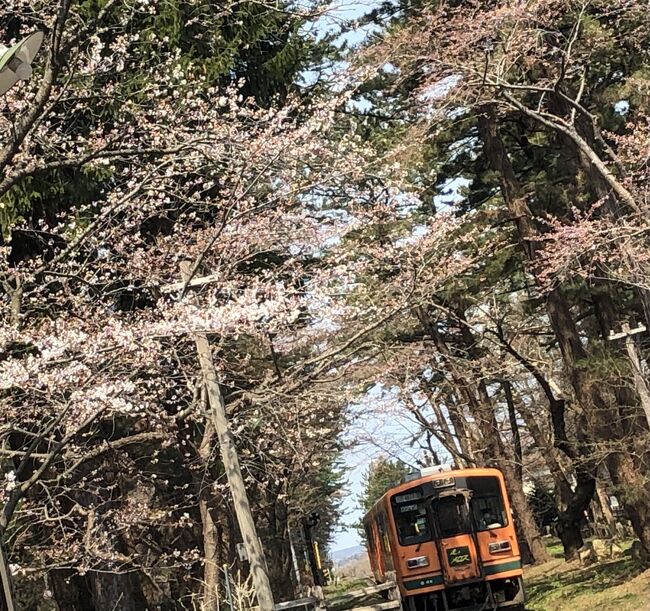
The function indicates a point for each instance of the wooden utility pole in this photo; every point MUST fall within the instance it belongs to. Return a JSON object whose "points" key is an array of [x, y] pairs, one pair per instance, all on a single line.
{"points": [[254, 551], [639, 379], [7, 602]]}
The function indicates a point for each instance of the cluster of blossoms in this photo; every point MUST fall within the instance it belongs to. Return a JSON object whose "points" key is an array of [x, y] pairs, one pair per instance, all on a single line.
{"points": [[96, 333]]}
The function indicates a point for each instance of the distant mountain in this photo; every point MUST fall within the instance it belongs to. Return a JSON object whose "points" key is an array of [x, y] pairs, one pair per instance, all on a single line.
{"points": [[343, 555]]}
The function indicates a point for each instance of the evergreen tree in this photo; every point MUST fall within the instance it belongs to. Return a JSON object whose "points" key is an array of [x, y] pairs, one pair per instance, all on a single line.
{"points": [[382, 473]]}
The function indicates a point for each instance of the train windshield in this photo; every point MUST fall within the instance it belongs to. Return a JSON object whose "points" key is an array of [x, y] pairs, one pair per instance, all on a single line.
{"points": [[479, 507], [410, 512], [452, 515], [487, 505], [476, 505]]}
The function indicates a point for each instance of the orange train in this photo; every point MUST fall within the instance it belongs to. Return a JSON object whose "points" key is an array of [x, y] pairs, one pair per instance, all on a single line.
{"points": [[447, 539]]}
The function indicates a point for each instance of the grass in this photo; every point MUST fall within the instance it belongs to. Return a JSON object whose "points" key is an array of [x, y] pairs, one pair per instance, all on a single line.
{"points": [[616, 584], [346, 585], [556, 550]]}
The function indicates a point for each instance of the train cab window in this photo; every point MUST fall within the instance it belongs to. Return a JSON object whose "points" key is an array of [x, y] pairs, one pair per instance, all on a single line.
{"points": [[452, 516], [411, 520], [488, 508]]}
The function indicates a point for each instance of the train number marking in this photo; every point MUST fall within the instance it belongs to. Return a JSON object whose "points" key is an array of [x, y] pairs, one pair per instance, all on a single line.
{"points": [[458, 556]]}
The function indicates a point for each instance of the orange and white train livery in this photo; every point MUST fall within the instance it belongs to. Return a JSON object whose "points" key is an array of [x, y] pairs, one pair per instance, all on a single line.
{"points": [[447, 539]]}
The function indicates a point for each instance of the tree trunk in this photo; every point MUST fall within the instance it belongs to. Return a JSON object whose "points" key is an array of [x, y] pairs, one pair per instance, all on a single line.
{"points": [[634, 497], [552, 458], [280, 574], [514, 427], [572, 519], [70, 590], [565, 331], [573, 504], [585, 142], [210, 544], [598, 416], [605, 510], [524, 516], [278, 548], [482, 409], [465, 438], [116, 592]]}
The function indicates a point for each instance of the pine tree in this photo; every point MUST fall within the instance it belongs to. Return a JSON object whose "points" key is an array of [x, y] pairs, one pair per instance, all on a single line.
{"points": [[382, 473]]}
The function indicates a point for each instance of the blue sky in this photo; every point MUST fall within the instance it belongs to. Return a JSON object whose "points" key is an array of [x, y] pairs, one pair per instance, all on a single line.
{"points": [[376, 430], [341, 13], [381, 424], [356, 460]]}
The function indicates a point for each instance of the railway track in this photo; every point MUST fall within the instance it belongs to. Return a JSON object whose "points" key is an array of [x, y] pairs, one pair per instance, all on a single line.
{"points": [[356, 600]]}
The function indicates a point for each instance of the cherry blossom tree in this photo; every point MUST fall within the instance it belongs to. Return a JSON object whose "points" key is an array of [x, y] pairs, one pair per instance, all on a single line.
{"points": [[112, 487], [518, 99]]}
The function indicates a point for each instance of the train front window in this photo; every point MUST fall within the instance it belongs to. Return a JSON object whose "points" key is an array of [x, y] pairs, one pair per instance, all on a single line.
{"points": [[411, 520], [488, 508], [452, 516]]}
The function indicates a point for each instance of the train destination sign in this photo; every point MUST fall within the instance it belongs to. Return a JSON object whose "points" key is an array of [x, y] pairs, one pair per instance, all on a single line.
{"points": [[407, 497]]}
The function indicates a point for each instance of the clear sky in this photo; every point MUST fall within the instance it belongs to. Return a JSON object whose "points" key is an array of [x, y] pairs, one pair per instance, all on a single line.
{"points": [[382, 426], [341, 13]]}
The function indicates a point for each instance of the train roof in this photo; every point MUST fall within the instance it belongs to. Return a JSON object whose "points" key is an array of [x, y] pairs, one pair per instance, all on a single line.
{"points": [[432, 474]]}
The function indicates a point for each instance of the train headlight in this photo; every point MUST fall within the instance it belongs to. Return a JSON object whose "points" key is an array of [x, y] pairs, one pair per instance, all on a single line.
{"points": [[414, 563], [499, 546]]}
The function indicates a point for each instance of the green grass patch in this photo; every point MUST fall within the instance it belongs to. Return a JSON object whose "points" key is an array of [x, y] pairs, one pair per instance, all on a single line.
{"points": [[344, 586], [556, 550], [562, 587]]}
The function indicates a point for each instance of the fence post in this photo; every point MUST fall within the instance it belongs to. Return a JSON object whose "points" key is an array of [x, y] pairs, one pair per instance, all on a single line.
{"points": [[226, 574]]}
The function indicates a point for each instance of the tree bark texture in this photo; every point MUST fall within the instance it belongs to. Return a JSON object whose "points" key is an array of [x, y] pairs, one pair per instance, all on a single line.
{"points": [[210, 544], [605, 510], [514, 427], [483, 411], [600, 419], [116, 592], [70, 590], [279, 549]]}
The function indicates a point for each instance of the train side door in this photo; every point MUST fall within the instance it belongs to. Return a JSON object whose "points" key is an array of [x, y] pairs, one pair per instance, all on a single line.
{"points": [[457, 546]]}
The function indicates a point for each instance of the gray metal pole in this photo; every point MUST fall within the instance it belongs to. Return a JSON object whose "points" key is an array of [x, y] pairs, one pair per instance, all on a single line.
{"points": [[294, 558], [226, 578]]}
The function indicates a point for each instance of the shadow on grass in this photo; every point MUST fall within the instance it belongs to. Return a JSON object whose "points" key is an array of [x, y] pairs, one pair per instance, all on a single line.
{"points": [[571, 583]]}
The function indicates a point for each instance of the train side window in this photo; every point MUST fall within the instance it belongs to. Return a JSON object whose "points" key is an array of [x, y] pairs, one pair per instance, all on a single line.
{"points": [[487, 503], [370, 541], [411, 521], [383, 532]]}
